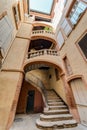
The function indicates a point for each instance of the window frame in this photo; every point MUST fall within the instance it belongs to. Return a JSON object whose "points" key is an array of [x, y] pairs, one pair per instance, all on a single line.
{"points": [[70, 9], [68, 73], [66, 25], [78, 47], [4, 51], [16, 7], [60, 46]]}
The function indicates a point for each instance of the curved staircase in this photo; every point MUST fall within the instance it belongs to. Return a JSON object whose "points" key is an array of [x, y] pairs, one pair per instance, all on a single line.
{"points": [[57, 115]]}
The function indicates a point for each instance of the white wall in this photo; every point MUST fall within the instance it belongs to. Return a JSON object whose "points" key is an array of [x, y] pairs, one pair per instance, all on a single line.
{"points": [[58, 12]]}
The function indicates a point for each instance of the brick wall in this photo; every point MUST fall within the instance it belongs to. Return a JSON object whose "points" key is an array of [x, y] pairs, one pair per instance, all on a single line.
{"points": [[22, 103]]}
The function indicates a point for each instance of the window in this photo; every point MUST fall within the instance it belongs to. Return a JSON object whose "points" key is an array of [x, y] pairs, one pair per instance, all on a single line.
{"points": [[66, 27], [67, 66], [78, 8], [83, 45], [16, 13], [60, 39], [6, 29]]}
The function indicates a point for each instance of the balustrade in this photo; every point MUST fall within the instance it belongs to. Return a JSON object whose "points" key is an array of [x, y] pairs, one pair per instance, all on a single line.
{"points": [[43, 52], [42, 31]]}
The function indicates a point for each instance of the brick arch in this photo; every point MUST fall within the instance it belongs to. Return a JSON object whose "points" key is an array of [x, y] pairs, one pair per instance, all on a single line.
{"points": [[26, 65]]}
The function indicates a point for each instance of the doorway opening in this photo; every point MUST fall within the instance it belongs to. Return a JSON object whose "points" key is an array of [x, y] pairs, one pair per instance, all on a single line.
{"points": [[30, 101]]}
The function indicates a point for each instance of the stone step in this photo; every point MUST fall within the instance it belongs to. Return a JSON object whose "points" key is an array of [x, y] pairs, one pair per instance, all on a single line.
{"points": [[56, 124], [51, 94], [52, 100], [50, 112], [55, 103], [57, 107], [53, 97], [55, 117], [50, 91]]}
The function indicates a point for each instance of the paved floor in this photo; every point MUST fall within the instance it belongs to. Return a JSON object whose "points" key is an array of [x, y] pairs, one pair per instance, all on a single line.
{"points": [[27, 122]]}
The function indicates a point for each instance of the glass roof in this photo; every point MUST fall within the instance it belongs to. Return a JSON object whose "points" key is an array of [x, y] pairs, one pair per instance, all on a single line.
{"points": [[41, 6]]}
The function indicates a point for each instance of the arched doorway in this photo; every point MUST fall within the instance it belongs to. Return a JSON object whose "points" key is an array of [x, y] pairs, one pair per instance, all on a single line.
{"points": [[80, 94]]}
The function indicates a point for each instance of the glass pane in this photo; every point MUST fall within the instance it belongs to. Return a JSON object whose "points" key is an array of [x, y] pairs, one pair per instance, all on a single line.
{"points": [[78, 9], [82, 5], [41, 6], [73, 21], [75, 16]]}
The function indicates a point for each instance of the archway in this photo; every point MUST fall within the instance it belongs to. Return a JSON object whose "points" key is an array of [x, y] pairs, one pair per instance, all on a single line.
{"points": [[28, 64]]}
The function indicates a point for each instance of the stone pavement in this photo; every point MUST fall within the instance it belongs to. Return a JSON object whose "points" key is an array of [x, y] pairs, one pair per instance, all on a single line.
{"points": [[27, 122]]}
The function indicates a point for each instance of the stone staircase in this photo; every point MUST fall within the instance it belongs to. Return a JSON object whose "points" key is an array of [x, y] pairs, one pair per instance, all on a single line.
{"points": [[57, 115]]}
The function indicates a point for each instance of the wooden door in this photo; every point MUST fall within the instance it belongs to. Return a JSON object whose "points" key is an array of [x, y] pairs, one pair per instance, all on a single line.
{"points": [[80, 94]]}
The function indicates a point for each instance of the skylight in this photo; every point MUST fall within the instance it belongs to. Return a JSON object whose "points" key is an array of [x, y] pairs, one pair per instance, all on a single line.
{"points": [[41, 6]]}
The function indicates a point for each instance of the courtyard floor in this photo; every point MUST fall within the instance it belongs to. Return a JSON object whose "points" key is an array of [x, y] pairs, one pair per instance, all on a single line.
{"points": [[27, 122]]}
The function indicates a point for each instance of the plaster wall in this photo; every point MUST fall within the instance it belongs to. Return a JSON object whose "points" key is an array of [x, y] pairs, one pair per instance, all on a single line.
{"points": [[16, 55], [11, 77], [43, 75], [71, 50], [6, 5], [57, 85], [8, 85], [64, 13]]}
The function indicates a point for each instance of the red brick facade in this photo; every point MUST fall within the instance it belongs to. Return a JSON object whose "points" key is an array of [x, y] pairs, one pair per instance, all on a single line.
{"points": [[22, 103]]}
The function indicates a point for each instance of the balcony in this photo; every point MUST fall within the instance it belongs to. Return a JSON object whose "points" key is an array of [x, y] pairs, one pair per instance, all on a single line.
{"points": [[45, 57], [44, 34]]}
